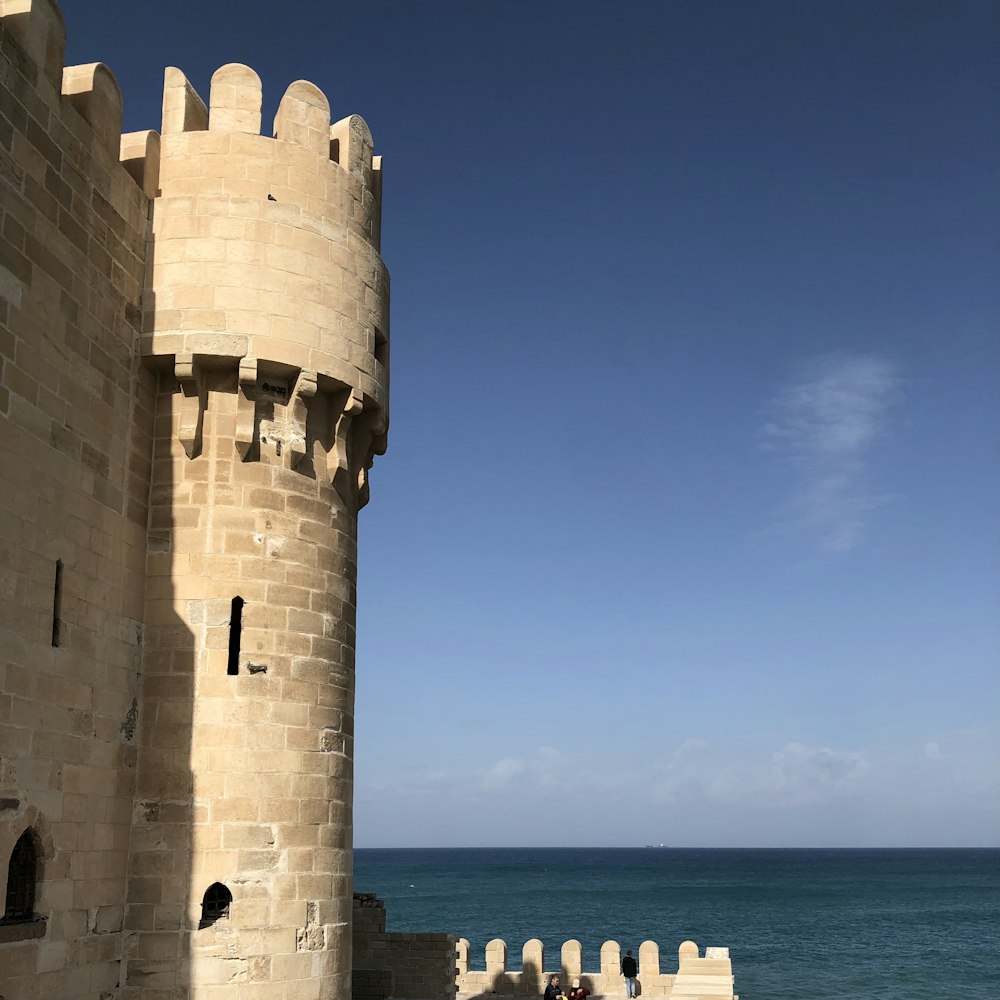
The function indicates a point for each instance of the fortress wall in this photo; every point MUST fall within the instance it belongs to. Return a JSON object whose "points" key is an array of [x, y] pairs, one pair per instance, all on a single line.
{"points": [[708, 976], [246, 275], [407, 966], [75, 436]]}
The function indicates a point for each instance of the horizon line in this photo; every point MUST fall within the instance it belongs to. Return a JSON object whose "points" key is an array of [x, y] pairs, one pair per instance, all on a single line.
{"points": [[681, 847]]}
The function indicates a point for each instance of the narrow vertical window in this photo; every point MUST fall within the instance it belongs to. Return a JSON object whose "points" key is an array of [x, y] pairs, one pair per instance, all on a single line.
{"points": [[57, 605], [22, 874], [381, 347], [235, 630]]}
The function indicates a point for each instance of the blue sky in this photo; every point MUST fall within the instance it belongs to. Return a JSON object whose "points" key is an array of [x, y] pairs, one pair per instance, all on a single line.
{"points": [[689, 520]]}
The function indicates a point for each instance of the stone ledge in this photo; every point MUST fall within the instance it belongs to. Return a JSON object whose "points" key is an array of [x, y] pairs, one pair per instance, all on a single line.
{"points": [[24, 930]]}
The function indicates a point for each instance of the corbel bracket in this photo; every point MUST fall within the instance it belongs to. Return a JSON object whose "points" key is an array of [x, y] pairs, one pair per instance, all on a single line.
{"points": [[192, 404], [246, 408], [343, 482], [369, 441], [298, 412]]}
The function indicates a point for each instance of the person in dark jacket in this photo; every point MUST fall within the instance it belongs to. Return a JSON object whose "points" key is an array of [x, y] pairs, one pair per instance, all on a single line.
{"points": [[629, 970], [552, 991]]}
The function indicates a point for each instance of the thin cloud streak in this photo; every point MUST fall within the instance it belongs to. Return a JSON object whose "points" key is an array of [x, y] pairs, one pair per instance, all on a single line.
{"points": [[825, 423], [699, 793]]}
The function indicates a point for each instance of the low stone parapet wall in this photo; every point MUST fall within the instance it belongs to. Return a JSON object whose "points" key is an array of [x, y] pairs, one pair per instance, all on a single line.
{"points": [[400, 966], [696, 976], [422, 965], [410, 966]]}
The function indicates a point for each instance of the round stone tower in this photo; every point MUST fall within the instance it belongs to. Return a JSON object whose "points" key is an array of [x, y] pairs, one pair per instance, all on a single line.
{"points": [[266, 317]]}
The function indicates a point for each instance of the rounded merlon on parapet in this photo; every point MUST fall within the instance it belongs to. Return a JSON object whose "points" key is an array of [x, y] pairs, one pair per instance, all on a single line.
{"points": [[183, 108], [139, 153], [91, 90], [303, 117], [496, 956], [687, 949], [40, 30], [94, 92], [235, 100]]}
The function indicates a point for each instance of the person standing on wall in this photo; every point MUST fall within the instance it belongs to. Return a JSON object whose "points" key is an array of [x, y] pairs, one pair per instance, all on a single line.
{"points": [[629, 970]]}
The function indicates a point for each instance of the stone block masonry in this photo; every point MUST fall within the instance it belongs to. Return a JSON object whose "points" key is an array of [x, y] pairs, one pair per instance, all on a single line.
{"points": [[194, 340], [405, 966], [76, 420], [698, 977]]}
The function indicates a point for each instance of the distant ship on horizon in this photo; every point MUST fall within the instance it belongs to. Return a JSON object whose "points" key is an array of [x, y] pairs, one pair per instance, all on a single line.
{"points": [[656, 845]]}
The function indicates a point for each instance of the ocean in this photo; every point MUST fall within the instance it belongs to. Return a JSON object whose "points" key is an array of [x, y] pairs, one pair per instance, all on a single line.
{"points": [[800, 924]]}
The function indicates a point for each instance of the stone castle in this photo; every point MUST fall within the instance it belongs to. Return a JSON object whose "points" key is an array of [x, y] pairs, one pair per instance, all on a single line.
{"points": [[195, 337], [194, 340]]}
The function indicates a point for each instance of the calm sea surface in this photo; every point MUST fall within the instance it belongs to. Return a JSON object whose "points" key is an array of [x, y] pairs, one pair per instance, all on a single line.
{"points": [[800, 924]]}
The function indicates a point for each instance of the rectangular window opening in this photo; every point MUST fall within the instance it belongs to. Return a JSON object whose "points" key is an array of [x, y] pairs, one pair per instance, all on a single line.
{"points": [[57, 605], [235, 632], [381, 347]]}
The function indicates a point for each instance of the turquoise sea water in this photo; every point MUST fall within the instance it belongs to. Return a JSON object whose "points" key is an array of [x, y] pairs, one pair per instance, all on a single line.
{"points": [[800, 924]]}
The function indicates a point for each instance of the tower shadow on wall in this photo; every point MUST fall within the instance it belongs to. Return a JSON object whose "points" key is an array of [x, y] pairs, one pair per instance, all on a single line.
{"points": [[159, 906], [530, 982]]}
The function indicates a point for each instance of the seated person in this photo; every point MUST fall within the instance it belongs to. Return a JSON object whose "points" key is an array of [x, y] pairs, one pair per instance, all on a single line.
{"points": [[552, 991], [578, 992]]}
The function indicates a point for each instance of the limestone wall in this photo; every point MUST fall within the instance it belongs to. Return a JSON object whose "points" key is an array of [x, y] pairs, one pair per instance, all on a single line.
{"points": [[75, 436], [266, 314], [696, 976], [394, 965]]}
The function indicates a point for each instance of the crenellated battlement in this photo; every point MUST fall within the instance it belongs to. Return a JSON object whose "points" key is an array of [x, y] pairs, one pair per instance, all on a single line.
{"points": [[40, 31], [262, 255], [264, 265], [90, 90], [708, 975], [302, 119], [303, 116]]}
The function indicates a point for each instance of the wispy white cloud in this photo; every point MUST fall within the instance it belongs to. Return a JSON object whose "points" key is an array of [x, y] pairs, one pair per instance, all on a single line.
{"points": [[825, 422], [503, 772], [940, 791], [794, 775], [531, 775], [537, 773], [800, 773]]}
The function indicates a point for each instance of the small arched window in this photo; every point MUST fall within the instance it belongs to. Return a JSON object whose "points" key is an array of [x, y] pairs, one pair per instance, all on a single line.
{"points": [[215, 904], [22, 877]]}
